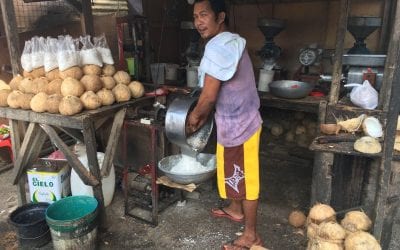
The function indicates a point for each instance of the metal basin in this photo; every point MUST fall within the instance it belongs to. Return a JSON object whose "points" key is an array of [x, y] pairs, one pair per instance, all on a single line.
{"points": [[290, 89], [166, 164]]}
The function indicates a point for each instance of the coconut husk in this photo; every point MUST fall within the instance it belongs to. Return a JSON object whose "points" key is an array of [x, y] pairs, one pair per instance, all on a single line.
{"points": [[297, 218], [361, 241], [397, 143], [312, 230], [320, 244], [352, 125], [355, 221], [368, 145], [320, 213], [331, 230]]}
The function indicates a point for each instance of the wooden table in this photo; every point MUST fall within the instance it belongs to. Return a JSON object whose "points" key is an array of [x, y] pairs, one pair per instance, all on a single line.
{"points": [[307, 104], [81, 127]]}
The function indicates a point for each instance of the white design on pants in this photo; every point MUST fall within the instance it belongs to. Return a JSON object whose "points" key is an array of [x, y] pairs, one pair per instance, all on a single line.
{"points": [[236, 177]]}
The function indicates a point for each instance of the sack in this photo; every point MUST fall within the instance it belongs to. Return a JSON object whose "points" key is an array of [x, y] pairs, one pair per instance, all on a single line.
{"points": [[363, 95]]}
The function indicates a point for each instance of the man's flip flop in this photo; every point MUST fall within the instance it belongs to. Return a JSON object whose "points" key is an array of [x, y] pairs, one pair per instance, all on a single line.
{"points": [[224, 214]]}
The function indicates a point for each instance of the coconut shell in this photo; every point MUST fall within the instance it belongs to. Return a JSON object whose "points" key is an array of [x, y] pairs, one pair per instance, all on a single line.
{"points": [[70, 105], [331, 230], [355, 221], [122, 93], [3, 97], [330, 128], [54, 87], [137, 89], [397, 143], [90, 100], [368, 145], [53, 102], [71, 86], [73, 72], [13, 100], [320, 213], [92, 83], [14, 83], [361, 241], [108, 70], [297, 218], [122, 77], [106, 96], [91, 70], [372, 127], [108, 82]]}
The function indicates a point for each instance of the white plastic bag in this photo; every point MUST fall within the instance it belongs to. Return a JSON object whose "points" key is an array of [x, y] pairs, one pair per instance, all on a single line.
{"points": [[50, 54], [37, 54], [67, 53], [89, 54], [363, 95], [100, 42], [26, 61]]}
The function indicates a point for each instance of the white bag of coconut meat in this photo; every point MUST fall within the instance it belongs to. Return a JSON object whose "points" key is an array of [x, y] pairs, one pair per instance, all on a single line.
{"points": [[37, 54], [100, 42], [50, 54], [67, 53], [88, 53], [26, 62]]}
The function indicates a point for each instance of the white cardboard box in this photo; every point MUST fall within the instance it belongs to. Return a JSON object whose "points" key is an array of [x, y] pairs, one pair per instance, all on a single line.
{"points": [[49, 180]]}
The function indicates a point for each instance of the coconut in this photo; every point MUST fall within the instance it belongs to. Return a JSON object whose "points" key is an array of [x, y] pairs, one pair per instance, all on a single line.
{"points": [[122, 77], [71, 86], [90, 100], [39, 85], [38, 102], [106, 96], [299, 115], [276, 129], [330, 128], [323, 245], [74, 72], [38, 72], [297, 218], [331, 230], [70, 105], [92, 83], [108, 82], [320, 213], [372, 127], [14, 83], [312, 230], [289, 137], [361, 241], [91, 69], [27, 74], [25, 85], [300, 129], [53, 74], [53, 102], [302, 140], [13, 100], [355, 221], [368, 145], [108, 70], [352, 125], [137, 89], [3, 97], [397, 143], [54, 87], [24, 101], [122, 93]]}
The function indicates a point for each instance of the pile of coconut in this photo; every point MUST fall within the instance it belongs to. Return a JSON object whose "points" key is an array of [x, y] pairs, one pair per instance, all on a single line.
{"points": [[70, 91], [368, 125], [325, 233]]}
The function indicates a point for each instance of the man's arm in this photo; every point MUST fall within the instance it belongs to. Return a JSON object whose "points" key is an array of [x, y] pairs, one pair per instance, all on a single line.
{"points": [[205, 104]]}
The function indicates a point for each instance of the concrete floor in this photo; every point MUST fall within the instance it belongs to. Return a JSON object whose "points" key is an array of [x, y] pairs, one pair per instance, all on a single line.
{"points": [[286, 181]]}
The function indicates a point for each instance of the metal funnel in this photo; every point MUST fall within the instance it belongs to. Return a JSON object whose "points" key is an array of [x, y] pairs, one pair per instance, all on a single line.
{"points": [[270, 27], [361, 28]]}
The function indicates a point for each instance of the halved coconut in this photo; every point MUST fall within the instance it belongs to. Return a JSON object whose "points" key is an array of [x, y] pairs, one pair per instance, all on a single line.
{"points": [[397, 143], [372, 127], [368, 145]]}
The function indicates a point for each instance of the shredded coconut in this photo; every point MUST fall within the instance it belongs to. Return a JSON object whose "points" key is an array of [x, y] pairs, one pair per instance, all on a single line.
{"points": [[189, 165], [90, 56], [106, 55], [67, 59]]}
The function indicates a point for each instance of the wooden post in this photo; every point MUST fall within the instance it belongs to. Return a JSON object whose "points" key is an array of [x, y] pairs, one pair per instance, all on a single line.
{"points": [[16, 145], [337, 66], [386, 25], [10, 26], [87, 18]]}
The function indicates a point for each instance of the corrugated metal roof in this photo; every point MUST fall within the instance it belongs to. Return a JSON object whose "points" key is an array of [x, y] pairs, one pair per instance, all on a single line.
{"points": [[102, 7]]}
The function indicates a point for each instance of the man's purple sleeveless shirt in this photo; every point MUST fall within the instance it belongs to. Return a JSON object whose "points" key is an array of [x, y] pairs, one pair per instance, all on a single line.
{"points": [[237, 116]]}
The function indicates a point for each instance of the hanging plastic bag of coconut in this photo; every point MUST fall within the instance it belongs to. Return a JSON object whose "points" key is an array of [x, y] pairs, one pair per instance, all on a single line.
{"points": [[363, 95], [26, 61], [88, 53], [67, 53], [50, 54], [37, 54], [100, 42]]}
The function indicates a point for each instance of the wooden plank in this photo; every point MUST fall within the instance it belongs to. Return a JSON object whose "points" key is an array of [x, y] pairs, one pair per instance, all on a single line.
{"points": [[11, 29], [337, 66], [308, 104], [30, 149], [113, 140], [16, 146], [336, 111], [77, 135], [73, 161], [87, 18]]}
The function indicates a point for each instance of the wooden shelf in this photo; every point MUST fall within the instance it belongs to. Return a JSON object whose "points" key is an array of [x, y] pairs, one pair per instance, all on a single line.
{"points": [[308, 104]]}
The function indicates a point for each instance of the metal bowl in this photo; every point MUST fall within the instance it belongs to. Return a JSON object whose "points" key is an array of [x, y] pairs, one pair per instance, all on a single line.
{"points": [[290, 89], [168, 162]]}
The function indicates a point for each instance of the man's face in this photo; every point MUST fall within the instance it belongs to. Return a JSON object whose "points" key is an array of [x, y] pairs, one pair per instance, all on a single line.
{"points": [[205, 20]]}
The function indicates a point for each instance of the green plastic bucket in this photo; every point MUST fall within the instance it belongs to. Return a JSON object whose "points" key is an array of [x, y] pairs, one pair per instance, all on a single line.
{"points": [[73, 222]]}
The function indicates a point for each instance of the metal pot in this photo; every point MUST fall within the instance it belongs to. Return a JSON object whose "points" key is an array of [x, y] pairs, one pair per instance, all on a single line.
{"points": [[290, 89], [175, 125]]}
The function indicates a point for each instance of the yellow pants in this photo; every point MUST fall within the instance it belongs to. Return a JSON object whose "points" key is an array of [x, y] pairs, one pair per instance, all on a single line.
{"points": [[238, 169]]}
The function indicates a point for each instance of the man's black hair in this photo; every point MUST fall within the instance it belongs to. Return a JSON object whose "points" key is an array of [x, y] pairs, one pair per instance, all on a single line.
{"points": [[217, 7]]}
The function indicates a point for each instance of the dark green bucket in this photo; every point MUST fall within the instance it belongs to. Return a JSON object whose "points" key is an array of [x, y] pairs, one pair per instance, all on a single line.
{"points": [[73, 220]]}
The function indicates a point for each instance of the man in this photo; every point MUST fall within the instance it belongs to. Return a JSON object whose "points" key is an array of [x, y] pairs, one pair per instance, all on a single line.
{"points": [[227, 77]]}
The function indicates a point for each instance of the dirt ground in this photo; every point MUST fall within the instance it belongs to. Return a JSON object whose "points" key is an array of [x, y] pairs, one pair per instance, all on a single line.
{"points": [[286, 180]]}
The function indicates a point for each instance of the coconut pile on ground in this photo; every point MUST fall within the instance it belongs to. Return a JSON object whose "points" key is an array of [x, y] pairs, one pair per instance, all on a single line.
{"points": [[70, 91], [325, 233]]}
